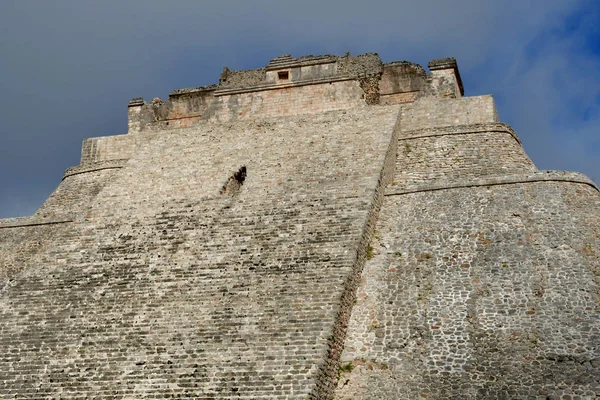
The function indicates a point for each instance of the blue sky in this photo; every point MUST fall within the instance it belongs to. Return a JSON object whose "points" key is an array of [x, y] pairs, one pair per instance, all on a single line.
{"points": [[69, 67]]}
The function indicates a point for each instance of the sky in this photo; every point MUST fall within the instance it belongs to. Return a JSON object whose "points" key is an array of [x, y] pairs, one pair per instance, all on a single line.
{"points": [[69, 67]]}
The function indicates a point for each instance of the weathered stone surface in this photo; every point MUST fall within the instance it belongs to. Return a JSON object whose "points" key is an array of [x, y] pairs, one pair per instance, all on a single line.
{"points": [[217, 249], [484, 277], [169, 288], [479, 293]]}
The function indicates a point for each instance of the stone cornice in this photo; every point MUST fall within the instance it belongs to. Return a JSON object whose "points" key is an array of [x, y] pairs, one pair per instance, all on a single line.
{"points": [[539, 176], [271, 86], [460, 130], [97, 166], [30, 221], [287, 61]]}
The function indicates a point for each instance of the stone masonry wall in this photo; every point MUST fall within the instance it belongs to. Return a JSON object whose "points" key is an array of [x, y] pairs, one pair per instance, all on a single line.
{"points": [[289, 100], [307, 99], [443, 84], [479, 293], [307, 85], [431, 112], [75, 194], [105, 148], [459, 152], [399, 77], [217, 249], [174, 287], [483, 280], [398, 98], [21, 247]]}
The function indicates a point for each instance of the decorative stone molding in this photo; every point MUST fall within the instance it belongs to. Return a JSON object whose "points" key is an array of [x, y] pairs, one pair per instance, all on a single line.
{"points": [[97, 166], [270, 86], [30, 221], [460, 130], [135, 102], [540, 176]]}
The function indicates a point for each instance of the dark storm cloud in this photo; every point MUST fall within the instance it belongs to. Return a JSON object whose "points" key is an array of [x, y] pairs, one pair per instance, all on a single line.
{"points": [[68, 68]]}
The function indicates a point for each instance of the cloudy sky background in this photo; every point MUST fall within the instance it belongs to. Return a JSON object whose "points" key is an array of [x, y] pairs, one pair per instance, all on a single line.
{"points": [[69, 67]]}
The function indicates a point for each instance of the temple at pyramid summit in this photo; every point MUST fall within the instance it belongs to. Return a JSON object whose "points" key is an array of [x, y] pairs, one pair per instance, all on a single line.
{"points": [[325, 227]]}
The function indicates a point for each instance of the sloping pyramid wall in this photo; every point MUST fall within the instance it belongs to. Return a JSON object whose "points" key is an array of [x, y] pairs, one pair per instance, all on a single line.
{"points": [[204, 259], [484, 279], [168, 287]]}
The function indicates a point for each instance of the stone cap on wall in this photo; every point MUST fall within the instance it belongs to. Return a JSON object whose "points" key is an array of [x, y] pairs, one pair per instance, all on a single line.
{"points": [[287, 61], [199, 89], [136, 101], [442, 63]]}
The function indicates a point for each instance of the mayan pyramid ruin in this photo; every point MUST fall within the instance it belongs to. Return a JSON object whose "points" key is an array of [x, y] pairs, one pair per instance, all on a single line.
{"points": [[325, 227]]}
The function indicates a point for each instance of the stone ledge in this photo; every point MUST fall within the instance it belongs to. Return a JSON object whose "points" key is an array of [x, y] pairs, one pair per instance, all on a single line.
{"points": [[272, 86], [398, 63], [287, 61], [442, 63], [135, 102], [30, 221], [190, 91], [540, 176], [460, 130], [97, 166]]}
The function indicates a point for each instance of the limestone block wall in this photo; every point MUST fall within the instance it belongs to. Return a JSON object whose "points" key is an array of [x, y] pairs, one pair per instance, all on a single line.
{"points": [[483, 280], [307, 99], [402, 76], [431, 112], [71, 199], [444, 80], [181, 283], [483, 292], [307, 85], [24, 243], [76, 192], [401, 82], [459, 152], [99, 149], [398, 98], [232, 104], [444, 84], [308, 72], [217, 249]]}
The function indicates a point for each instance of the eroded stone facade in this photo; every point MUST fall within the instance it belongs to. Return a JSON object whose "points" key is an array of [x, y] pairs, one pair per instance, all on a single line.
{"points": [[324, 227]]}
